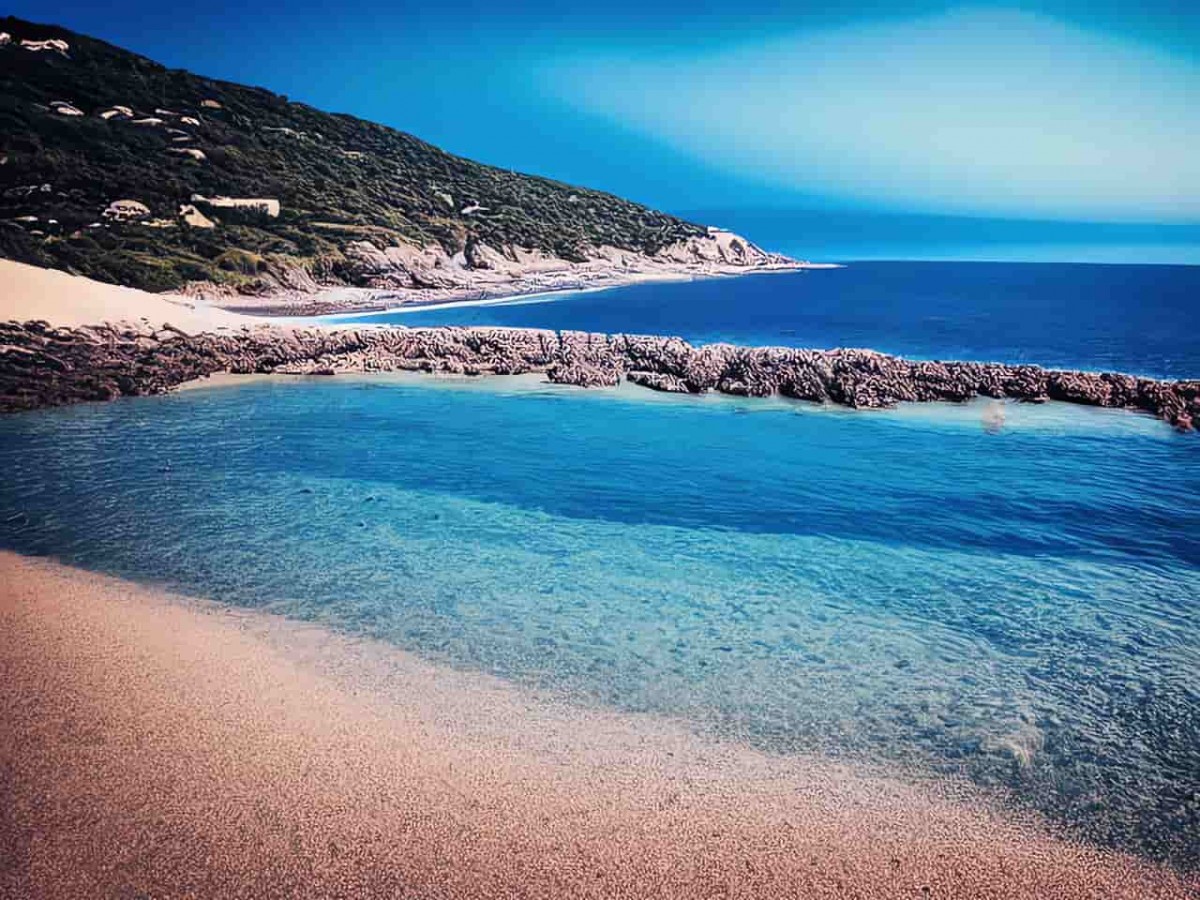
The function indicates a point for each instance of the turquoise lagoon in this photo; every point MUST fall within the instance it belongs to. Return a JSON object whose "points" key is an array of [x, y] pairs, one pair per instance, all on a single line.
{"points": [[1020, 607]]}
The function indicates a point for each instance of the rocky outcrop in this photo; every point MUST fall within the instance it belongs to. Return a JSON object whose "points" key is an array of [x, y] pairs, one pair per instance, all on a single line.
{"points": [[403, 266], [126, 211], [721, 248], [45, 366], [479, 266], [268, 206], [60, 47], [194, 153], [193, 218]]}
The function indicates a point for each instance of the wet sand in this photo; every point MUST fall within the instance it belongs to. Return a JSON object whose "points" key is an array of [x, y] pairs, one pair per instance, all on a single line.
{"points": [[153, 745]]}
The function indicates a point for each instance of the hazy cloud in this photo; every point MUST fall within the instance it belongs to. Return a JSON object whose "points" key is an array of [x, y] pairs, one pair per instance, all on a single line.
{"points": [[973, 111]]}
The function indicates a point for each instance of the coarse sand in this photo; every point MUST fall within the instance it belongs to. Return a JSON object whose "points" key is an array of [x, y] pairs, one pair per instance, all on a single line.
{"points": [[157, 746]]}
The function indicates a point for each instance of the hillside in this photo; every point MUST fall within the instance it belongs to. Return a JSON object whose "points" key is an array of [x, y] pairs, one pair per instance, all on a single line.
{"points": [[120, 169]]}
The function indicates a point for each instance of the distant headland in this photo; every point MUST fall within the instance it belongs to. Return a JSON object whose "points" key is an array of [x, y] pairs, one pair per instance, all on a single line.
{"points": [[119, 169]]}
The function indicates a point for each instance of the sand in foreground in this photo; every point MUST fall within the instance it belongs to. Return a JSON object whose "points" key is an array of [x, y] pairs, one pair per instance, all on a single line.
{"points": [[154, 746]]}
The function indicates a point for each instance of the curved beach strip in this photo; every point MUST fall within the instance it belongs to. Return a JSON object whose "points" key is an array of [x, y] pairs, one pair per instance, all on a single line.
{"points": [[158, 746]]}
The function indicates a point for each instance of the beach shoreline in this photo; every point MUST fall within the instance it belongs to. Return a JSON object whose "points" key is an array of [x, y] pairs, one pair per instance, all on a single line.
{"points": [[354, 301], [63, 299], [161, 745]]}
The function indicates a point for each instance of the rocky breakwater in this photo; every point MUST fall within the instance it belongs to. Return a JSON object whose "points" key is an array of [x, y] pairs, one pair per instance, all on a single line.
{"points": [[45, 366], [866, 379]]}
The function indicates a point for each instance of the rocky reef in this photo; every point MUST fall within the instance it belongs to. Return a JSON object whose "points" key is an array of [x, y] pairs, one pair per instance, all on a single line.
{"points": [[41, 365]]}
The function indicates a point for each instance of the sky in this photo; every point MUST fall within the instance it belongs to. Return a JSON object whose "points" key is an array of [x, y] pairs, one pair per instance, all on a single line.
{"points": [[1069, 110]]}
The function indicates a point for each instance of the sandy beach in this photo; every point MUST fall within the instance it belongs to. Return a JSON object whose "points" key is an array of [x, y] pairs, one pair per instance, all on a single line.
{"points": [[158, 746], [404, 495], [69, 300], [481, 290]]}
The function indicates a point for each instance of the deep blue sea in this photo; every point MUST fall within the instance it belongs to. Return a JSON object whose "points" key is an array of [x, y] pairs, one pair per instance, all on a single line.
{"points": [[830, 235], [1021, 607], [1139, 319]]}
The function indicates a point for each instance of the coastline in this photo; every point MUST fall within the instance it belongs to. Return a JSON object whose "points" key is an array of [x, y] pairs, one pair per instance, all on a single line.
{"points": [[52, 353], [380, 522], [148, 735], [586, 277], [58, 297]]}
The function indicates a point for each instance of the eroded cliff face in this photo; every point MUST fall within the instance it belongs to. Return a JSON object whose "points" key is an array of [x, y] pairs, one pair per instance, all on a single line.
{"points": [[480, 265], [45, 366], [722, 248]]}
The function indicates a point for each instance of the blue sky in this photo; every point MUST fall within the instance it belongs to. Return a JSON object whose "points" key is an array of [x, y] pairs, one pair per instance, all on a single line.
{"points": [[1067, 111]]}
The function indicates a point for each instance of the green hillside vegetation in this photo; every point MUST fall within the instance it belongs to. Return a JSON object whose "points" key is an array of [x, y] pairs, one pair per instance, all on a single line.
{"points": [[337, 178]]}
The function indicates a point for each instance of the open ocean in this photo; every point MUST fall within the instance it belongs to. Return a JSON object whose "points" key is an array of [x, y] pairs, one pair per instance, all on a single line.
{"points": [[1139, 319], [1020, 607]]}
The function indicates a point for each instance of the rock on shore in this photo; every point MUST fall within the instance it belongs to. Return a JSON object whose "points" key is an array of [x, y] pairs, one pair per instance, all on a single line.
{"points": [[41, 365]]}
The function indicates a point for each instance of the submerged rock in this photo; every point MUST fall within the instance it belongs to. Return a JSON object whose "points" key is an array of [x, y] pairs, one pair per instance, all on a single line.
{"points": [[671, 384], [584, 375]]}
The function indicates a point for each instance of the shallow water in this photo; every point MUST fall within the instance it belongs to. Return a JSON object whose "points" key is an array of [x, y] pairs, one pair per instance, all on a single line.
{"points": [[1138, 319], [1018, 606]]}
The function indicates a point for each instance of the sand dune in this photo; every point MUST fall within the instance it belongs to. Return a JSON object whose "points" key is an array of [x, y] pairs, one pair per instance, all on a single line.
{"points": [[152, 746], [29, 292]]}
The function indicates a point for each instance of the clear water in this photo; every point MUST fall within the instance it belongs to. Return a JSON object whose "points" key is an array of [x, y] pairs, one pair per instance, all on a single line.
{"points": [[1021, 607], [1139, 319]]}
